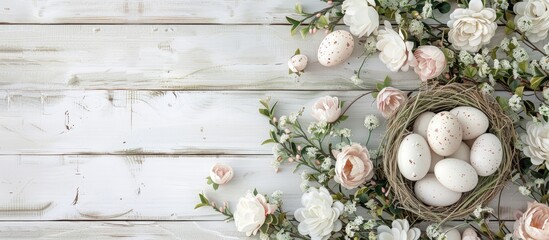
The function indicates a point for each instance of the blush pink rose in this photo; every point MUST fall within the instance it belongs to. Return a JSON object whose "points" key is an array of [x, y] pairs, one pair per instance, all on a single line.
{"points": [[389, 100], [534, 223], [430, 62], [221, 173], [353, 166], [326, 109]]}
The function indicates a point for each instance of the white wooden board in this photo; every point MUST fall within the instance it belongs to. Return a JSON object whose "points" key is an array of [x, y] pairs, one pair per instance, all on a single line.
{"points": [[149, 11], [133, 122], [172, 57], [137, 187]]}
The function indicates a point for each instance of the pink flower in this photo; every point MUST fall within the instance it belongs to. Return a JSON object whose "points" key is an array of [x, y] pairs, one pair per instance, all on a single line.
{"points": [[430, 62], [326, 109], [534, 223], [353, 166], [389, 100], [221, 173]]}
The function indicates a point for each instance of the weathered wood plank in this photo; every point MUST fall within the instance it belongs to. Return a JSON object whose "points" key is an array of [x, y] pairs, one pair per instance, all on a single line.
{"points": [[129, 122], [149, 11], [93, 230], [137, 187], [172, 57]]}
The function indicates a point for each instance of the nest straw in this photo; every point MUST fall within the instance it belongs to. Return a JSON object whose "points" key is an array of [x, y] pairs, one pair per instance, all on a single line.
{"points": [[437, 99]]}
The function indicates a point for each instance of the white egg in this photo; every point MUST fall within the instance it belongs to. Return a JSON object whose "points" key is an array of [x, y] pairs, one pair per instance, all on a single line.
{"points": [[431, 192], [456, 175], [473, 121], [422, 123], [435, 158], [486, 154], [297, 63], [463, 153], [451, 233], [414, 157], [335, 48], [444, 133]]}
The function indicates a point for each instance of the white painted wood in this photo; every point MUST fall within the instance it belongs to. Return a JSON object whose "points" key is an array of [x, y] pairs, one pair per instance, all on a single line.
{"points": [[136, 187], [172, 57], [149, 11], [93, 230], [128, 122]]}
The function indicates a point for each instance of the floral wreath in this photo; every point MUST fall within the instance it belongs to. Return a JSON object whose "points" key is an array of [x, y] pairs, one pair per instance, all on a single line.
{"points": [[346, 194]]}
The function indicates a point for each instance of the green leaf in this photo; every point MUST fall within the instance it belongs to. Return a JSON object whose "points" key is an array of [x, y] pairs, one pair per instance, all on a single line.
{"points": [[322, 22], [264, 228], [297, 52], [387, 82], [209, 180], [519, 91], [304, 32], [268, 141], [269, 219], [443, 7], [255, 192], [265, 112], [523, 66], [380, 86], [510, 27], [298, 8], [343, 118], [201, 205], [292, 21], [203, 199], [215, 186], [535, 82]]}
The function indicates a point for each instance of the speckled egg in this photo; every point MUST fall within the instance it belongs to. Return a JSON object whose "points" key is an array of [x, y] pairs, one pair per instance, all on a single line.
{"points": [[435, 158], [414, 157], [444, 133], [335, 48], [297, 63], [486, 154], [422, 123], [451, 233], [473, 121], [456, 175], [463, 153], [429, 191], [469, 232]]}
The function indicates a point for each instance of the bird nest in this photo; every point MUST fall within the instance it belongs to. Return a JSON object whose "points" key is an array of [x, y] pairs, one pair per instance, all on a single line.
{"points": [[437, 99]]}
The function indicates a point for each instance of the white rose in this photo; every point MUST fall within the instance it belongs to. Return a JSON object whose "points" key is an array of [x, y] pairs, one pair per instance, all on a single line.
{"points": [[536, 141], [473, 27], [394, 52], [319, 216], [360, 16], [400, 229], [537, 11], [250, 213]]}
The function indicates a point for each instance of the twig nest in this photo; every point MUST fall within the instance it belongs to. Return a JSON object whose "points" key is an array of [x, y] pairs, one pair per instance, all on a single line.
{"points": [[482, 184]]}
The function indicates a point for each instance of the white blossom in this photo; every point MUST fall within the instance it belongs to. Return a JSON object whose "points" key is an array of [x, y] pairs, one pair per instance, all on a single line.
{"points": [[505, 64], [524, 24], [304, 186], [504, 44], [546, 48], [281, 235], [326, 164], [312, 151], [371, 122], [284, 138], [496, 64], [276, 197], [356, 80], [350, 207], [370, 224], [479, 59], [427, 10], [282, 121], [480, 210], [515, 102], [322, 178], [370, 45], [524, 190], [544, 110], [546, 94], [539, 182], [483, 70], [304, 176], [520, 54], [416, 27], [544, 63], [465, 57], [486, 88]]}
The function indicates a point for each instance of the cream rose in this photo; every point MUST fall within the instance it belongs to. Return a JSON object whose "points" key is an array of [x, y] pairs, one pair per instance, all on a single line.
{"points": [[394, 52], [534, 223], [430, 62], [473, 27], [536, 11], [250, 213], [361, 16], [536, 143], [319, 216], [389, 100], [326, 109], [353, 166], [221, 173]]}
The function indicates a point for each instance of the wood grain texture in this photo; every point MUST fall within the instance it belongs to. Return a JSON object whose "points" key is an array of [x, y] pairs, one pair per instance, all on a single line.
{"points": [[136, 187], [149, 11], [166, 122], [159, 57]]}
